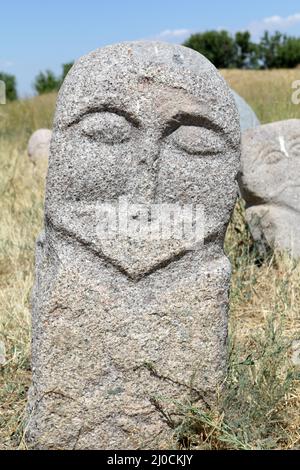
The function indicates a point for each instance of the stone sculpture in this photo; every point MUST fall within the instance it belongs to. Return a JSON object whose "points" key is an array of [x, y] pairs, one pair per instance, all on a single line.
{"points": [[270, 169], [127, 325]]}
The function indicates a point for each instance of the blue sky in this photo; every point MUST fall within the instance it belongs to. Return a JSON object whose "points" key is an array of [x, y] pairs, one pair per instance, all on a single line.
{"points": [[40, 34]]}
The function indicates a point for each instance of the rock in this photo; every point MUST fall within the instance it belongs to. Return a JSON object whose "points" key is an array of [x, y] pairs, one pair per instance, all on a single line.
{"points": [[248, 118], [270, 169], [127, 321], [39, 144]]}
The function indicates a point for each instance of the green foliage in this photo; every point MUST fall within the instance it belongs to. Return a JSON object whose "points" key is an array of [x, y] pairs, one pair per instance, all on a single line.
{"points": [[218, 46], [66, 68], [290, 52], [226, 51], [10, 84], [247, 51], [269, 49], [279, 51], [47, 81]]}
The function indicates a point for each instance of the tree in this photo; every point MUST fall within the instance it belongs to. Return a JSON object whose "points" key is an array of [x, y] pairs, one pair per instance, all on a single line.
{"points": [[65, 70], [275, 50], [10, 86], [46, 82], [218, 46], [289, 52], [247, 52], [279, 51], [269, 48]]}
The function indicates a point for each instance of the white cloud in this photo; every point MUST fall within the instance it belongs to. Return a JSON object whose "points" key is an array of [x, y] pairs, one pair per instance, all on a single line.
{"points": [[286, 22], [273, 23], [173, 35], [5, 64]]}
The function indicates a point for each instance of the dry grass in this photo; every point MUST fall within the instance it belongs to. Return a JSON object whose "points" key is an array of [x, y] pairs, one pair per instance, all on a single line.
{"points": [[268, 92], [21, 206], [259, 406]]}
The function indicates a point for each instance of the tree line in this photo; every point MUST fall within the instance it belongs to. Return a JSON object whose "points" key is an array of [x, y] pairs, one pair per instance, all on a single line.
{"points": [[44, 82], [224, 50]]}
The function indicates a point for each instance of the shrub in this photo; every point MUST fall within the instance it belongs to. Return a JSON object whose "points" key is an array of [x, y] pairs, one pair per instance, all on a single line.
{"points": [[46, 82], [218, 46], [10, 84]]}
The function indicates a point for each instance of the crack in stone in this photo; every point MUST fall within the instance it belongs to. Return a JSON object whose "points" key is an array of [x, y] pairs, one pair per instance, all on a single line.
{"points": [[150, 367]]}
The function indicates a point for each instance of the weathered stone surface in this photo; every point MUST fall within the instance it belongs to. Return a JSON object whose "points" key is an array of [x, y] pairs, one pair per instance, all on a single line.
{"points": [[39, 144], [269, 183], [248, 118], [125, 328]]}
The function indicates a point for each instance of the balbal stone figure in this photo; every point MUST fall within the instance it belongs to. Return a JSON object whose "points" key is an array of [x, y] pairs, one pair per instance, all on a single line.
{"points": [[38, 145], [126, 328], [269, 183]]}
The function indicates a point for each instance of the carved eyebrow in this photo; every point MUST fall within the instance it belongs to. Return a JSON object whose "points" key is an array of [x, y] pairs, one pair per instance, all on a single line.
{"points": [[190, 119], [108, 108]]}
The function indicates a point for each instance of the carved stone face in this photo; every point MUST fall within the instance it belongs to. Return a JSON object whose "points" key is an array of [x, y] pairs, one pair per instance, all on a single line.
{"points": [[151, 122], [271, 165]]}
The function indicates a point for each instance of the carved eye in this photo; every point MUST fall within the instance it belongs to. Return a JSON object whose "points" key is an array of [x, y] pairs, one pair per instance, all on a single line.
{"points": [[197, 140], [106, 127], [272, 157]]}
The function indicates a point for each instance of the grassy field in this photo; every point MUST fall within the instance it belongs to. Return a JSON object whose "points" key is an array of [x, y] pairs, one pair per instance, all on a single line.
{"points": [[259, 406]]}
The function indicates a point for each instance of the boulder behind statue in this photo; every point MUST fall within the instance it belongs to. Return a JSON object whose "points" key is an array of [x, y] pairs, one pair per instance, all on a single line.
{"points": [[39, 145], [269, 183]]}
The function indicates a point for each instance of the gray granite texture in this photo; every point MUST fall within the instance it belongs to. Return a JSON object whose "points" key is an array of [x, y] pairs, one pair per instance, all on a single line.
{"points": [[269, 183], [127, 328]]}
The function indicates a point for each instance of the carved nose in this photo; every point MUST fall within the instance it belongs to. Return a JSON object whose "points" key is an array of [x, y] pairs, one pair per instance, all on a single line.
{"points": [[145, 170]]}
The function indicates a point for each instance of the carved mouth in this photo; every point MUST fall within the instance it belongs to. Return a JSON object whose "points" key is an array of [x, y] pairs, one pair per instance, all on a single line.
{"points": [[136, 259], [135, 256]]}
